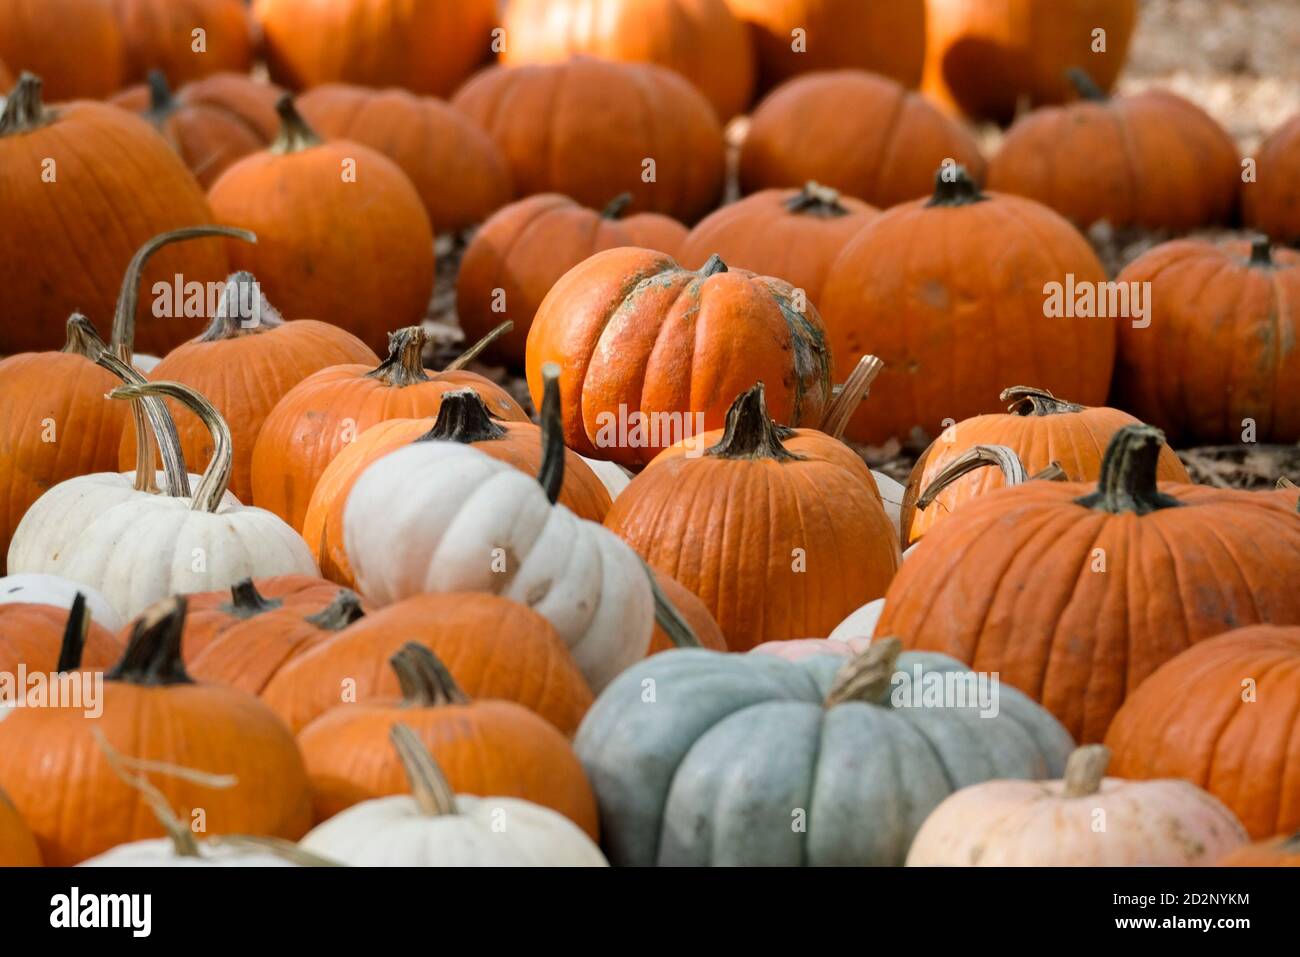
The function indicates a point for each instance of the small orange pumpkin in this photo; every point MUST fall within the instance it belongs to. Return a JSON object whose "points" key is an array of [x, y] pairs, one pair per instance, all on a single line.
{"points": [[160, 34], [1271, 203], [47, 639]]}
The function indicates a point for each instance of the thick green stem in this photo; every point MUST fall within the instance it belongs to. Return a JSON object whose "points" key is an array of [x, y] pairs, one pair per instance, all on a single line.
{"points": [[247, 602], [74, 636], [153, 654], [551, 473]]}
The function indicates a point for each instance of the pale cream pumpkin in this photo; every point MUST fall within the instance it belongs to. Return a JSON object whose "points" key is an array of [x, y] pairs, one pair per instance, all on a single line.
{"points": [[39, 589]]}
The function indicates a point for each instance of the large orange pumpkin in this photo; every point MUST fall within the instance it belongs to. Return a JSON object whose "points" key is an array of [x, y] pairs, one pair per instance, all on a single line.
{"points": [[1217, 360], [984, 57], [792, 233], [46, 639], [330, 408], [161, 35], [74, 44], [426, 47], [796, 564], [856, 132], [460, 174], [951, 293], [651, 353], [485, 746], [1075, 594], [1222, 715], [211, 122], [1041, 429], [592, 129], [88, 183], [700, 39], [1153, 160], [462, 417], [17, 843], [524, 249], [1271, 203], [247, 342], [151, 710]]}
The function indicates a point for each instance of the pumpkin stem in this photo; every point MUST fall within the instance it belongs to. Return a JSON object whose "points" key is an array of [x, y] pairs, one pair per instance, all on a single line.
{"points": [[866, 677], [1085, 770], [81, 338], [667, 617], [714, 266], [344, 610], [74, 636], [424, 679], [295, 135], [1026, 400], [153, 654], [243, 310], [1052, 473], [246, 601], [24, 111], [817, 200], [1085, 85], [1261, 252], [473, 352], [216, 477], [750, 434], [463, 417], [955, 188], [551, 472], [617, 206], [1284, 483], [850, 395], [1128, 474], [162, 102], [429, 786], [1013, 470], [156, 421], [404, 364], [276, 846]]}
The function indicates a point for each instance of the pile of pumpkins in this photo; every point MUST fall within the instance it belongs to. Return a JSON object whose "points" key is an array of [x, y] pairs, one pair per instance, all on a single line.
{"points": [[347, 609]]}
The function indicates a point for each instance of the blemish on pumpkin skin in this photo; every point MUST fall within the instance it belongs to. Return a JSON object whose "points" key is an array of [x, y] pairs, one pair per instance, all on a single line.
{"points": [[935, 294]]}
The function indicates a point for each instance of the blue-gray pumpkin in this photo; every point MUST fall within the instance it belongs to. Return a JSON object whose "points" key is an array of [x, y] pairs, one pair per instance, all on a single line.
{"points": [[705, 758]]}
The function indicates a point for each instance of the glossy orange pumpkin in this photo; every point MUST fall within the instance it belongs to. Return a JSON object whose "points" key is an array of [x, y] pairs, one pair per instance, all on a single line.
{"points": [[160, 35], [74, 44], [46, 639], [524, 249], [856, 132], [1272, 202]]}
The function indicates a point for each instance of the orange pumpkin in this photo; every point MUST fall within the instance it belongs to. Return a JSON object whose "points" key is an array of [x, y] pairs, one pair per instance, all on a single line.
{"points": [[211, 122], [1283, 851], [462, 417], [1153, 160], [459, 173], [17, 843], [495, 648], [1271, 203], [882, 36], [428, 48], [592, 129], [700, 39], [1075, 594], [856, 132], [247, 342], [984, 58], [1222, 715], [524, 249], [74, 44], [950, 292], [343, 235], [1216, 360], [47, 639], [1041, 430], [807, 565], [6, 78], [160, 35], [624, 324], [151, 710], [792, 233], [484, 746], [328, 409], [111, 170], [693, 611]]}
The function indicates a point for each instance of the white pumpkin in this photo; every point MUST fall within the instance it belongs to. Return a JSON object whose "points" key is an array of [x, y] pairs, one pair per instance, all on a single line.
{"points": [[163, 852], [861, 623], [891, 496], [37, 589], [613, 476], [434, 827]]}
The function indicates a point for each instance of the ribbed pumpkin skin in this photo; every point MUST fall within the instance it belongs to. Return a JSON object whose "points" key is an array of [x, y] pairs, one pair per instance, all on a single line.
{"points": [[1222, 715], [158, 35], [87, 60], [1221, 345], [118, 185], [882, 36], [244, 377], [861, 134], [624, 324], [699, 39], [17, 844], [585, 128], [526, 247], [695, 613], [493, 647], [1153, 160], [322, 524], [31, 635], [981, 57], [1271, 204], [761, 234], [460, 175], [1080, 640], [428, 48], [1279, 852], [951, 298]]}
